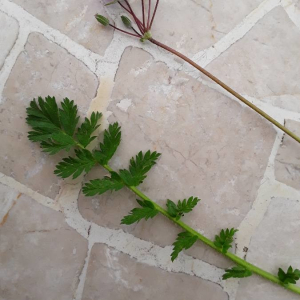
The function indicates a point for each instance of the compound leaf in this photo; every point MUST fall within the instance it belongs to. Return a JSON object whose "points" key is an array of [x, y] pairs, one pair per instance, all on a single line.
{"points": [[185, 240], [85, 131], [83, 162], [146, 212], [236, 272], [111, 142], [291, 276], [100, 186], [225, 239], [139, 166]]}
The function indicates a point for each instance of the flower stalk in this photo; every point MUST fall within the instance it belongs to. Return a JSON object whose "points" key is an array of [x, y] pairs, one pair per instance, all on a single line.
{"points": [[145, 35]]}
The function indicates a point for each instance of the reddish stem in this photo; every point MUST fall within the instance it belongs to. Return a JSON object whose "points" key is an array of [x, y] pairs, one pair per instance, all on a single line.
{"points": [[154, 13], [124, 31], [143, 9], [137, 21], [149, 13]]}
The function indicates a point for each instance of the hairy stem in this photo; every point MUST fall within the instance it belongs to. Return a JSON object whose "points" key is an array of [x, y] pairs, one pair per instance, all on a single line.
{"points": [[211, 244], [228, 89]]}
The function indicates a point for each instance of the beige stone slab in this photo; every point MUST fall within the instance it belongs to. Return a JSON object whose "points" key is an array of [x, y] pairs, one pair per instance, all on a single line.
{"points": [[74, 18], [42, 69], [265, 64], [193, 25], [274, 245], [211, 147], [113, 275], [41, 257], [9, 29], [287, 163]]}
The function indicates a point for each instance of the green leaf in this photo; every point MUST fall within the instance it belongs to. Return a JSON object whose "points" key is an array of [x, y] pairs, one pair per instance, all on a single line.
{"points": [[68, 116], [101, 19], [185, 240], [126, 21], [139, 166], [183, 207], [225, 239], [291, 276], [172, 208], [75, 166], [146, 212], [111, 142], [100, 186], [236, 272], [85, 131], [52, 127], [60, 141]]}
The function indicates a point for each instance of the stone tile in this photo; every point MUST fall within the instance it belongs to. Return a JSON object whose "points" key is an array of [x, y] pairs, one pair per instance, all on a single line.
{"points": [[287, 162], [74, 18], [9, 29], [113, 275], [193, 25], [42, 69], [41, 257], [265, 63], [211, 147], [8, 198], [274, 245]]}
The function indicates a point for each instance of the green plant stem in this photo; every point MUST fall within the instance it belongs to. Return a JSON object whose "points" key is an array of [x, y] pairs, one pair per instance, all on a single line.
{"points": [[227, 88], [210, 243]]}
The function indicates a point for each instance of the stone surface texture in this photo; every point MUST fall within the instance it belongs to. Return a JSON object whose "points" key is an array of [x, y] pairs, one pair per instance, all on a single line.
{"points": [[10, 25], [58, 244], [38, 252], [127, 279]]}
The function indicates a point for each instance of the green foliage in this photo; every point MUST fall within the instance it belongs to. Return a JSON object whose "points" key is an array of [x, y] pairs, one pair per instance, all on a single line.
{"points": [[85, 131], [68, 116], [185, 240], [139, 166], [146, 212], [225, 239], [112, 2], [111, 142], [291, 276], [45, 119], [100, 186], [236, 272], [101, 19], [183, 207], [75, 166]]}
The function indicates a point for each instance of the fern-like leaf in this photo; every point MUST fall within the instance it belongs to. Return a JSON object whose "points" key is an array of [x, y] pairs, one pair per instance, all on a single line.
{"points": [[100, 186], [183, 207], [85, 131], [236, 272], [111, 142], [185, 240], [83, 162], [146, 212], [225, 239], [68, 116], [139, 166], [291, 276]]}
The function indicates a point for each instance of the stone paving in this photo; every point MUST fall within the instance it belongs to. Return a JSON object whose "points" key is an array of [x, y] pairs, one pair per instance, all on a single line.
{"points": [[57, 244]]}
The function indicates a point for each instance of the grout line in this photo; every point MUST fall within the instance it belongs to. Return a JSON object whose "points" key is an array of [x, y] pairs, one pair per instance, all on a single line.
{"points": [[292, 11], [204, 57], [12, 183]]}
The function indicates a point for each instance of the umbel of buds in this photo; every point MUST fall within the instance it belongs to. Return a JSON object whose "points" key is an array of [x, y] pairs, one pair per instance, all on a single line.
{"points": [[141, 29]]}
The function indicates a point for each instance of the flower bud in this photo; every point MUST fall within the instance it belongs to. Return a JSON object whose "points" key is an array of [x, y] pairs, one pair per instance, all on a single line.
{"points": [[126, 21], [104, 21]]}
